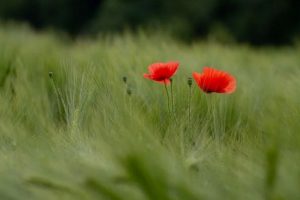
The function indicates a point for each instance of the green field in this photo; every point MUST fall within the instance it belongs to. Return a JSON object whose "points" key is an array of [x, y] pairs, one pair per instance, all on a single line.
{"points": [[80, 135]]}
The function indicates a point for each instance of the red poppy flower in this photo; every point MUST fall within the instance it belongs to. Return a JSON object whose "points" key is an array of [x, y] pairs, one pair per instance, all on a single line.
{"points": [[162, 72], [213, 80]]}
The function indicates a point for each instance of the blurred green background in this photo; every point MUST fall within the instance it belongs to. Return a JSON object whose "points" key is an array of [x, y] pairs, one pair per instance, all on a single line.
{"points": [[258, 22]]}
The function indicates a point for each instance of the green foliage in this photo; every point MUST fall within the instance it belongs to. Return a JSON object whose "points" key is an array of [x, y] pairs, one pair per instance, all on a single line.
{"points": [[253, 21], [67, 15], [79, 135]]}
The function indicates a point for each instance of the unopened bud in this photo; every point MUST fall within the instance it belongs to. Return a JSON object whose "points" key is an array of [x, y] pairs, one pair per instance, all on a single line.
{"points": [[125, 79], [190, 82], [50, 74], [129, 92]]}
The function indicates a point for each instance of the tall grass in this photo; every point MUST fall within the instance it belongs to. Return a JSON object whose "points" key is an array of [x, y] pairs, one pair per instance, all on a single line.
{"points": [[79, 135]]}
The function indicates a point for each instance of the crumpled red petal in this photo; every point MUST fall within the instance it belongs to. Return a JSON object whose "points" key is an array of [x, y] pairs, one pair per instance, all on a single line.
{"points": [[162, 72], [213, 80]]}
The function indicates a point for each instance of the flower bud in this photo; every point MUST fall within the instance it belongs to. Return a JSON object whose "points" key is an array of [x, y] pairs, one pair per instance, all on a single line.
{"points": [[124, 79], [50, 74], [190, 81], [129, 92]]}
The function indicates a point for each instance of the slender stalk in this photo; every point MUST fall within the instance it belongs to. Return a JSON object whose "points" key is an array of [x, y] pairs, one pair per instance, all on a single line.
{"points": [[172, 98], [190, 98], [129, 92], [57, 93], [124, 78], [172, 102], [165, 83], [168, 99]]}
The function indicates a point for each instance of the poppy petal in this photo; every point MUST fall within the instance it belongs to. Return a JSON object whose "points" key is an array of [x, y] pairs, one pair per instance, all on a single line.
{"points": [[147, 76], [162, 72], [153, 68], [231, 87], [166, 81], [213, 80], [172, 66], [199, 80]]}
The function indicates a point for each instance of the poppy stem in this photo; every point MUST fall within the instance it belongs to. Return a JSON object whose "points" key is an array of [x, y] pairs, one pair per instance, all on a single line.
{"points": [[167, 97], [172, 101], [190, 97], [172, 98]]}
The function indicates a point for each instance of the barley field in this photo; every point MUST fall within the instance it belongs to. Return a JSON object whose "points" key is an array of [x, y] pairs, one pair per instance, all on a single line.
{"points": [[72, 128]]}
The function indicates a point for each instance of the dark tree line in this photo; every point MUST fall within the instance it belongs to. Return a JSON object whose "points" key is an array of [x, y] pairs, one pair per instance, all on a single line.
{"points": [[254, 21]]}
